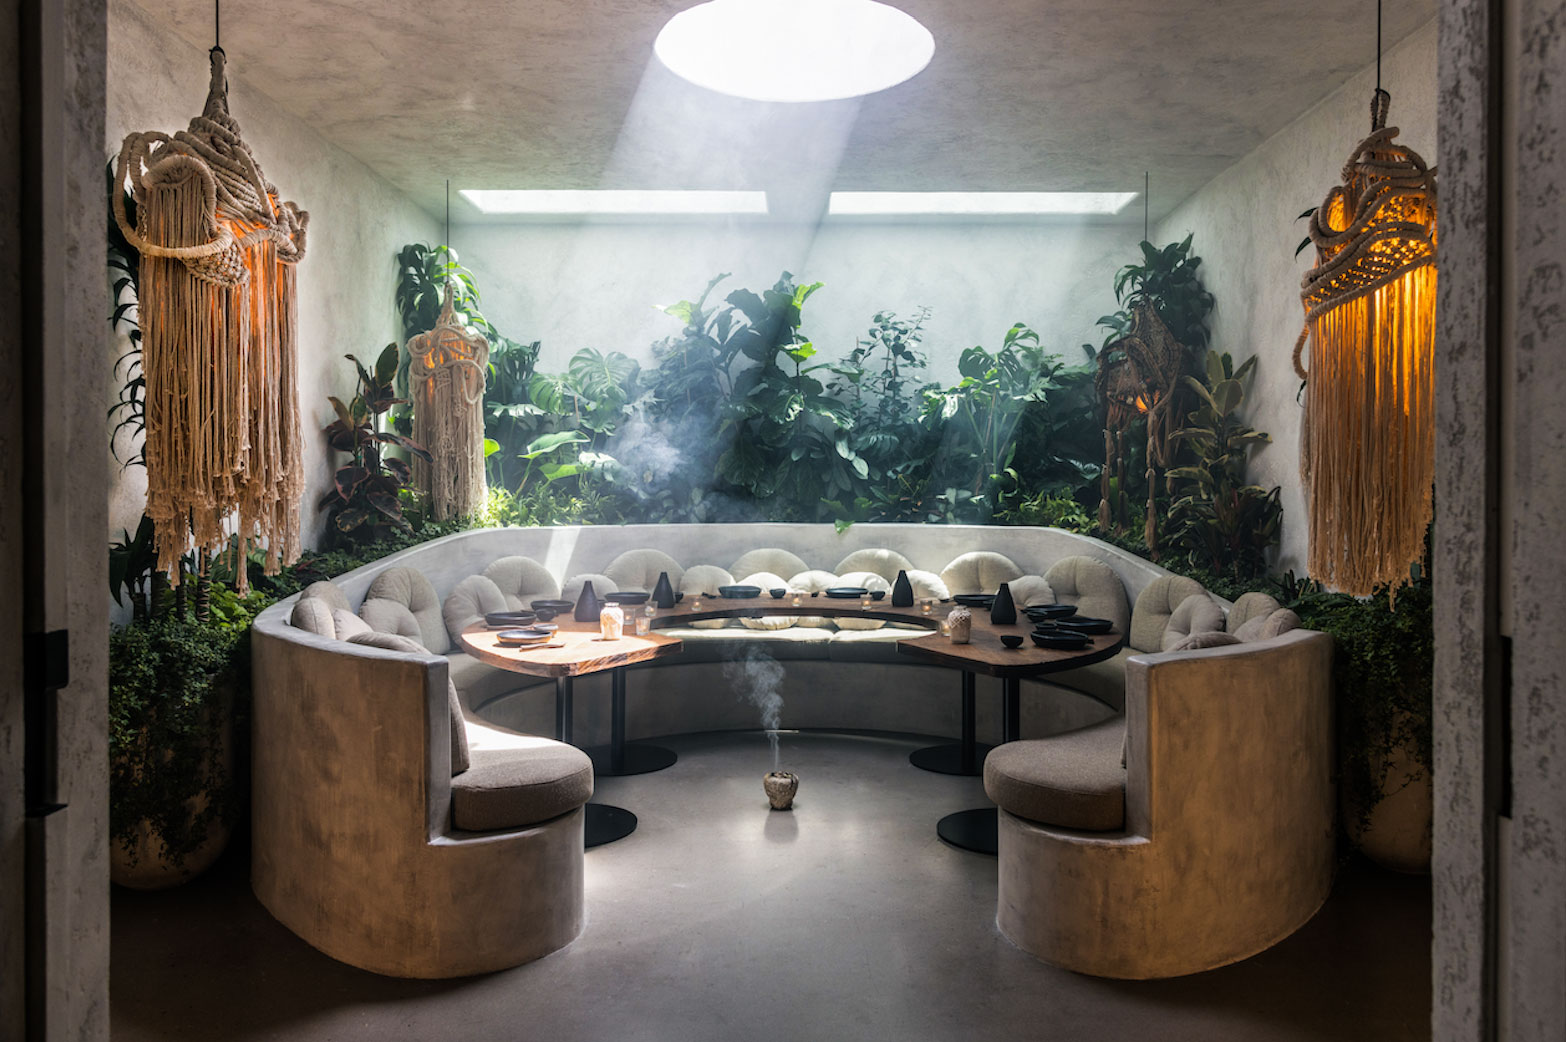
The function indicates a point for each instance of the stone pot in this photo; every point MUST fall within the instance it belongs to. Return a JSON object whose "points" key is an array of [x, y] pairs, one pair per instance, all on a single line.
{"points": [[1397, 832], [780, 787]]}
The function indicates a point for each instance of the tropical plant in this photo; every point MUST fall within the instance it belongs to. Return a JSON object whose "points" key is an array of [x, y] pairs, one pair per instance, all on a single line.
{"points": [[1050, 510], [130, 405], [882, 406], [591, 395], [1220, 520], [1167, 280], [366, 498]]}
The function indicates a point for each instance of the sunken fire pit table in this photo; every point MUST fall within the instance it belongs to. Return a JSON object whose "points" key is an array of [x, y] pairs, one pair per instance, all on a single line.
{"points": [[976, 829], [575, 650]]}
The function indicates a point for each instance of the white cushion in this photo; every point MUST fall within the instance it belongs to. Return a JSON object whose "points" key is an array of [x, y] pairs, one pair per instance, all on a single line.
{"points": [[769, 559], [602, 584], [468, 602], [1093, 587], [521, 581], [313, 615], [391, 617], [1029, 590], [1198, 613], [871, 582], [813, 581], [639, 570], [328, 591], [927, 584], [409, 587], [980, 571], [767, 581], [883, 562], [348, 624]]}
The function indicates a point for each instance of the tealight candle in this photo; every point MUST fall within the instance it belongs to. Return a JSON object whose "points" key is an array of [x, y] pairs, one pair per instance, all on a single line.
{"points": [[864, 602], [927, 605], [797, 600]]}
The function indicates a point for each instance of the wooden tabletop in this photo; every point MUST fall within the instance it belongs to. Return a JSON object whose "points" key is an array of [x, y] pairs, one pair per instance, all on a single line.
{"points": [[580, 651]]}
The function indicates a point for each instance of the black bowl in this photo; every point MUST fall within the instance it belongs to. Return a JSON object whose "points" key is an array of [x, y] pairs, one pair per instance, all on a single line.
{"points": [[739, 593], [545, 614], [876, 595], [1050, 611], [555, 606], [1060, 641], [975, 600], [1084, 624], [844, 593], [507, 620], [1011, 640], [522, 637], [627, 597], [778, 592]]}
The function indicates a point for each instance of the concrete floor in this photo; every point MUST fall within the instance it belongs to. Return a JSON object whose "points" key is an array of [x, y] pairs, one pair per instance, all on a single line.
{"points": [[718, 919]]}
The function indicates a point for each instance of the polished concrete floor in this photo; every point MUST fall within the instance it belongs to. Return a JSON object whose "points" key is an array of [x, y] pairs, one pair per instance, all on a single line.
{"points": [[718, 919]]}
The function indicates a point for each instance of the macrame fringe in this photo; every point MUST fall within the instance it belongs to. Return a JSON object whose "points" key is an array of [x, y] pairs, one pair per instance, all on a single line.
{"points": [[447, 370]]}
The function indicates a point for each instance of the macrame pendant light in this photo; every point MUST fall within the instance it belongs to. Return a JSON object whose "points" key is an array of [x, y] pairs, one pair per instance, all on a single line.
{"points": [[446, 373], [1367, 454], [219, 327]]}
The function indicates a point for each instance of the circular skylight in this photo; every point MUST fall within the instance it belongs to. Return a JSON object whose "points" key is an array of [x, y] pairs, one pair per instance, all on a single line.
{"points": [[794, 50]]}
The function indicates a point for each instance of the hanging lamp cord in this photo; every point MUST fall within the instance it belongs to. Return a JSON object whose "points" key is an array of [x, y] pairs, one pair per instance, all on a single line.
{"points": [[217, 27]]}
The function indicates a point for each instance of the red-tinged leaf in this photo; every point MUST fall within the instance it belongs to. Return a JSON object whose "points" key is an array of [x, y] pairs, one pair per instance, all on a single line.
{"points": [[349, 478], [386, 503], [352, 518]]}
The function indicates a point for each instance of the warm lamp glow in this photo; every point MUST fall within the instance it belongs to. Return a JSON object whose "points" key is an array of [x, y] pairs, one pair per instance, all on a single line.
{"points": [[794, 50]]}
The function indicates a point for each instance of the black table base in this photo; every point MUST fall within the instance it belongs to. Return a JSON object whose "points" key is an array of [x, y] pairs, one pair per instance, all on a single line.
{"points": [[964, 758], [635, 758], [605, 824], [973, 830]]}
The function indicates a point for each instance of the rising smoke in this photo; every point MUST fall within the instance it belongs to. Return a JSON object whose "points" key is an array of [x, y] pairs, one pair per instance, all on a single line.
{"points": [[757, 678]]}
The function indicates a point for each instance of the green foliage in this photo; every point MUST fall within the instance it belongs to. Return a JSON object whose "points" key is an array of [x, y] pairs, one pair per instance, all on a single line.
{"points": [[1167, 279], [1217, 518], [1050, 511], [130, 405], [366, 498]]}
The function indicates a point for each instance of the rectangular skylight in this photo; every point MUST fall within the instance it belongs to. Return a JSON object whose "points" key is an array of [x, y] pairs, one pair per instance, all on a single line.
{"points": [[901, 204], [625, 202]]}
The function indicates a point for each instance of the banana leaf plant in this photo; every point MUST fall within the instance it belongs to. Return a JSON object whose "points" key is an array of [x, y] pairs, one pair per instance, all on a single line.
{"points": [[365, 502], [1223, 522]]}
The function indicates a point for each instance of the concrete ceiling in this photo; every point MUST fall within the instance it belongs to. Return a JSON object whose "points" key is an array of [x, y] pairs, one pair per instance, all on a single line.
{"points": [[1021, 94]]}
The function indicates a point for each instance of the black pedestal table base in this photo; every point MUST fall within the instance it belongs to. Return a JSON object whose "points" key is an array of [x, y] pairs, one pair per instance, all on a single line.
{"points": [[977, 829], [605, 822], [964, 758]]}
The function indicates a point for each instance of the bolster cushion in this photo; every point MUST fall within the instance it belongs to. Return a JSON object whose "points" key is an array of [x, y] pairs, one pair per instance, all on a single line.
{"points": [[1266, 627], [1250, 606], [1154, 606], [767, 581], [313, 615], [1074, 780], [384, 616], [348, 624], [410, 588], [870, 581], [1198, 613], [1204, 639]]}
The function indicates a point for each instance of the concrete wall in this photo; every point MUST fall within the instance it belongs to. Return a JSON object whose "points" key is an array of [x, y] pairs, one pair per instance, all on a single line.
{"points": [[157, 81], [1246, 230], [575, 285]]}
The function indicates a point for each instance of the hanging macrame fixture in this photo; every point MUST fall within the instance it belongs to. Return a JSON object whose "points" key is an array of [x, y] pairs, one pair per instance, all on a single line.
{"points": [[1138, 377], [1367, 453], [446, 374], [217, 305]]}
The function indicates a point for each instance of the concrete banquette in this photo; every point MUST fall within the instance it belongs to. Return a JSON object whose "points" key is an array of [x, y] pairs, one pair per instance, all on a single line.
{"points": [[369, 848]]}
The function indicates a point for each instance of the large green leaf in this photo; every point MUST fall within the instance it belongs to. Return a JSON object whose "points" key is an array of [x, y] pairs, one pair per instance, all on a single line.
{"points": [[548, 443]]}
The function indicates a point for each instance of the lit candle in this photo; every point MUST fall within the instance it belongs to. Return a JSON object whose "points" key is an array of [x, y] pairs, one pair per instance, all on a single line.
{"points": [[927, 605], [798, 599], [864, 602]]}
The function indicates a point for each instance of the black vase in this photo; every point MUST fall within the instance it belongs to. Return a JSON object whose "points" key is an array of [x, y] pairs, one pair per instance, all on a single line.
{"points": [[663, 593], [902, 591], [588, 605], [1004, 611]]}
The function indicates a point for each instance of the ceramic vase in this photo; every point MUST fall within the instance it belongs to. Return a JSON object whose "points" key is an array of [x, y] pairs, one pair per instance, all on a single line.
{"points": [[1004, 611], [780, 787], [611, 622], [663, 593], [587, 604], [902, 591], [959, 625]]}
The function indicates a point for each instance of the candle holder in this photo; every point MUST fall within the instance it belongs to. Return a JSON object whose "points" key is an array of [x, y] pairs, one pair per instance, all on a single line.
{"points": [[797, 599]]}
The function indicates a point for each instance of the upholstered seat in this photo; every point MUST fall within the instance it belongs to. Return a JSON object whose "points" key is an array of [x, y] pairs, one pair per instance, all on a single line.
{"points": [[478, 683], [520, 786], [1105, 681], [1074, 780]]}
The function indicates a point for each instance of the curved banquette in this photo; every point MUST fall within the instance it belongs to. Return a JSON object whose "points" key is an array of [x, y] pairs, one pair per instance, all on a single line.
{"points": [[368, 847]]}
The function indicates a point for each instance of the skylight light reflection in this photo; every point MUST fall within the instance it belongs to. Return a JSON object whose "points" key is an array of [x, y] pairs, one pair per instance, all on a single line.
{"points": [[622, 202], [912, 204]]}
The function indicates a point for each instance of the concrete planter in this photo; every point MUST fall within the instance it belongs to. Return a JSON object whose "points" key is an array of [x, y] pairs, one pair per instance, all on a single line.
{"points": [[1397, 832]]}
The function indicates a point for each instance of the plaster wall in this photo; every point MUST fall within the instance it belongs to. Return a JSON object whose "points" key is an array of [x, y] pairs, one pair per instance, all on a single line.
{"points": [[1246, 228], [576, 285], [158, 81]]}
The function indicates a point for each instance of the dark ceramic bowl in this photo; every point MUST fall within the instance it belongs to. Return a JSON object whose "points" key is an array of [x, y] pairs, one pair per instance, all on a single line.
{"points": [[778, 592], [1084, 624], [1060, 641], [739, 593], [555, 606], [506, 620], [975, 600], [876, 595], [1050, 611], [628, 597], [544, 615], [844, 593], [1011, 640], [521, 638]]}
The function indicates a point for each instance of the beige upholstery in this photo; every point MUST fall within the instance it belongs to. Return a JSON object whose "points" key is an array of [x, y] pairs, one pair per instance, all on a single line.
{"points": [[1249, 606], [980, 571], [478, 683], [883, 562], [1268, 626], [602, 584], [1093, 587], [1074, 780], [1228, 844], [871, 582], [1105, 681], [383, 616], [411, 589], [1204, 639], [313, 615], [347, 624], [513, 788], [327, 591], [522, 580], [705, 578], [1198, 613], [1154, 607], [1028, 590], [813, 580], [767, 581], [467, 603], [459, 734], [639, 570], [769, 559]]}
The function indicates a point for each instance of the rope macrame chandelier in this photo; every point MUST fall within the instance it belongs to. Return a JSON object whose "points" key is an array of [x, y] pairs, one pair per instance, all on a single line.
{"points": [[446, 374], [219, 325], [1367, 453]]}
